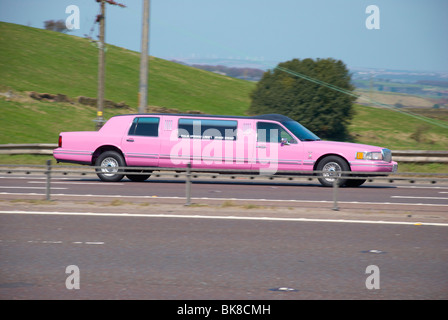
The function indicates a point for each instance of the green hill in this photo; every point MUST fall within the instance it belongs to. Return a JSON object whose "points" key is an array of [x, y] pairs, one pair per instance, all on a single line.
{"points": [[44, 61], [50, 62]]}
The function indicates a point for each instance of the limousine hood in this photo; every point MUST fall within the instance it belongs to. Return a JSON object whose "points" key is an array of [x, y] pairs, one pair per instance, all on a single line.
{"points": [[342, 146]]}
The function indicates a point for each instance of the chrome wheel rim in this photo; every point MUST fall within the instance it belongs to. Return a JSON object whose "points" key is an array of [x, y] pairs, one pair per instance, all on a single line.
{"points": [[109, 166], [331, 170]]}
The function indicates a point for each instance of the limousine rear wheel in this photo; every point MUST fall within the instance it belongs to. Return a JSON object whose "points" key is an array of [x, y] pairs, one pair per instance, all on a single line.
{"points": [[109, 162], [331, 168]]}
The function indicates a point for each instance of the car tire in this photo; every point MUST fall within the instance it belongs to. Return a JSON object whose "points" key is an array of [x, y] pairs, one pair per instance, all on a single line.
{"points": [[330, 166], [109, 162], [354, 183], [138, 177]]}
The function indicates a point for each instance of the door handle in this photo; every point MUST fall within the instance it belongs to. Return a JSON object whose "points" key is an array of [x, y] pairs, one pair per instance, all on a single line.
{"points": [[261, 147], [130, 140]]}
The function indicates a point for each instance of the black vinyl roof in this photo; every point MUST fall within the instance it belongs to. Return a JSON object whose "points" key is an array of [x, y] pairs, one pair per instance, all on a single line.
{"points": [[272, 116]]}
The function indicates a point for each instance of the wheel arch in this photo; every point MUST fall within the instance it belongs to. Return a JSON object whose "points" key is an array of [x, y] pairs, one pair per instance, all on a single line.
{"points": [[329, 155], [103, 149]]}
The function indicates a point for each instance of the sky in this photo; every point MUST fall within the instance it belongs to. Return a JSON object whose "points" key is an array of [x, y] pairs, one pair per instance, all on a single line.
{"points": [[408, 34]]}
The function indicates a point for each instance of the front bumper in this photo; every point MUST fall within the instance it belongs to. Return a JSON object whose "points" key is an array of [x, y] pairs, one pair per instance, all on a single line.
{"points": [[373, 166]]}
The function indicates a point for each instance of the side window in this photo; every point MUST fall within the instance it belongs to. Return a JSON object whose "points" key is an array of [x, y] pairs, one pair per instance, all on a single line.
{"points": [[207, 129], [272, 132], [145, 126]]}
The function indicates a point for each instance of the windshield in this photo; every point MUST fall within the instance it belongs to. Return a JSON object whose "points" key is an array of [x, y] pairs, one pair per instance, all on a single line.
{"points": [[300, 131]]}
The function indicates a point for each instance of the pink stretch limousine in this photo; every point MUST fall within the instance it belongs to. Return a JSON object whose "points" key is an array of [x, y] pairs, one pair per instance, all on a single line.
{"points": [[266, 144]]}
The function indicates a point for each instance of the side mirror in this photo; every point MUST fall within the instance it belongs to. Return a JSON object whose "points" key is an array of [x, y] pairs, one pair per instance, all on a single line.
{"points": [[284, 142]]}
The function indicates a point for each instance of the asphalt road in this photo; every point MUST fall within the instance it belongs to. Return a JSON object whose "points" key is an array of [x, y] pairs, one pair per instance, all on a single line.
{"points": [[243, 240], [130, 257], [379, 194]]}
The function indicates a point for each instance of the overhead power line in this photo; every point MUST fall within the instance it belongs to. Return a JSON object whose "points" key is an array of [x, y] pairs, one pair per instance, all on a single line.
{"points": [[359, 96]]}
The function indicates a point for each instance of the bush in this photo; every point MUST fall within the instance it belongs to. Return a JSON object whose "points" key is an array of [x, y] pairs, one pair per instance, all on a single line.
{"points": [[325, 111]]}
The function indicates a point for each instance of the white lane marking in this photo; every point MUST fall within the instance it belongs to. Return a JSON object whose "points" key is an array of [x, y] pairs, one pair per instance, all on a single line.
{"points": [[80, 183], [127, 215], [224, 199], [57, 242], [38, 188], [293, 183], [421, 187], [34, 178], [413, 197]]}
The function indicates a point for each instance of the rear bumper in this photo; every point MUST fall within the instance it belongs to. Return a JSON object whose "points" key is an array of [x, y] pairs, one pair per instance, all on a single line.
{"points": [[72, 156]]}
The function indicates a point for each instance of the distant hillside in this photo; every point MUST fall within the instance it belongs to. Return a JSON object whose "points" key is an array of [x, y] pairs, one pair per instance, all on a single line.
{"points": [[44, 61], [415, 89], [245, 73]]}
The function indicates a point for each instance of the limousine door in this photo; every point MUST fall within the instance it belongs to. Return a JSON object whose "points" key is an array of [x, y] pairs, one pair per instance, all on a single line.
{"points": [[276, 149], [205, 143], [141, 146], [215, 143]]}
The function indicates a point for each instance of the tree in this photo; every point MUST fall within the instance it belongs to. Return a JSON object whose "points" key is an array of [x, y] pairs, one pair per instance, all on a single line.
{"points": [[58, 26], [320, 102]]}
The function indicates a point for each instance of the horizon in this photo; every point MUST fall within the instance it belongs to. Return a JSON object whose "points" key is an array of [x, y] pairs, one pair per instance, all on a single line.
{"points": [[253, 60], [197, 60]]}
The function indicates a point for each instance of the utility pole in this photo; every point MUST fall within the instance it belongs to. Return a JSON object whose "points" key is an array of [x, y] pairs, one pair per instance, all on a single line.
{"points": [[101, 68], [143, 88]]}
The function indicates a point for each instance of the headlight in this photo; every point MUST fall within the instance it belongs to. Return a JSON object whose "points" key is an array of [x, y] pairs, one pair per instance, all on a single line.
{"points": [[369, 155]]}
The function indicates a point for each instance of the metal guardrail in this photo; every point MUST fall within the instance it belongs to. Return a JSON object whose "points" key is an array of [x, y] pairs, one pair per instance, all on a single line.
{"points": [[49, 171], [420, 156], [417, 156], [32, 148]]}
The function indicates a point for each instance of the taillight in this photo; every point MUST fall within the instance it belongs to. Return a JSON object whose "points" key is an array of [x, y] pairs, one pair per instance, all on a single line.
{"points": [[60, 141]]}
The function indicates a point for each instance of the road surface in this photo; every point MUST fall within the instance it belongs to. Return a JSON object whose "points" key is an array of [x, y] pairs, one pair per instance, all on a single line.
{"points": [[137, 241]]}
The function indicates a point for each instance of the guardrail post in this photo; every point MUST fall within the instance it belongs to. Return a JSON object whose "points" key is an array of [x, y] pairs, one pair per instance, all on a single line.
{"points": [[48, 174], [335, 194], [188, 185]]}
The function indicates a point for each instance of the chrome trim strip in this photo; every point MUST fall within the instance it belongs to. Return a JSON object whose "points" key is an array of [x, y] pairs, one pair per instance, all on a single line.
{"points": [[72, 151]]}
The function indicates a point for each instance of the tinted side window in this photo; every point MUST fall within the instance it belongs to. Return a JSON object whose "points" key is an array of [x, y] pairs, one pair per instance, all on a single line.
{"points": [[272, 132], [144, 126], [207, 129]]}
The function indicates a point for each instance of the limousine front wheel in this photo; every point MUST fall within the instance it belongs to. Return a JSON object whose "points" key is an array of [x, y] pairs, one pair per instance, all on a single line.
{"points": [[109, 162], [331, 168], [139, 177]]}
